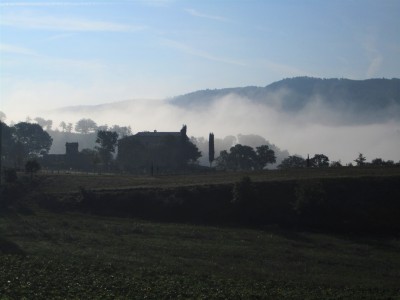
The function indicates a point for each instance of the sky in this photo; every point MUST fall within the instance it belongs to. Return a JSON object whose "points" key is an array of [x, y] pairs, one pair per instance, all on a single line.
{"points": [[62, 53]]}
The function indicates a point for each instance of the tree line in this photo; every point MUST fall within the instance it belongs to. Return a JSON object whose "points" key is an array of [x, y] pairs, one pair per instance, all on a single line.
{"points": [[26, 141]]}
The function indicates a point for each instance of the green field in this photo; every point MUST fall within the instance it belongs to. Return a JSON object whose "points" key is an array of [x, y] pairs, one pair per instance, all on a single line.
{"points": [[63, 183], [76, 255]]}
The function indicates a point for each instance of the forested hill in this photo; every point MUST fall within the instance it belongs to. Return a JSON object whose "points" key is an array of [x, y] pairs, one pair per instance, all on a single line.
{"points": [[368, 100]]}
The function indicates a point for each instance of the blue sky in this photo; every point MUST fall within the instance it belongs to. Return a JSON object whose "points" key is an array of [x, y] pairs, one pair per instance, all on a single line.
{"points": [[60, 53]]}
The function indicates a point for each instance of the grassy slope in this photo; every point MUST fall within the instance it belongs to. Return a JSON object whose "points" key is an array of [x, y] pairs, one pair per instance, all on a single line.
{"points": [[73, 255], [62, 183]]}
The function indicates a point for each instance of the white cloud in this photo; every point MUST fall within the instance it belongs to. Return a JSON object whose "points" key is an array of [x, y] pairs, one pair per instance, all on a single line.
{"points": [[53, 3], [31, 21], [155, 3], [6, 48], [195, 13]]}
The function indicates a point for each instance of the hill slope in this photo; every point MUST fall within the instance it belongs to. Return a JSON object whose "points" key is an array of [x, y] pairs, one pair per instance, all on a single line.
{"points": [[360, 101]]}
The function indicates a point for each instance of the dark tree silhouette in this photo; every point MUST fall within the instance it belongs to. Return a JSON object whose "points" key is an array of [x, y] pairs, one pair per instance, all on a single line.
{"points": [[245, 158], [319, 160], [211, 150], [336, 164], [265, 156], [107, 141], [6, 144], [32, 138], [292, 162], [360, 160]]}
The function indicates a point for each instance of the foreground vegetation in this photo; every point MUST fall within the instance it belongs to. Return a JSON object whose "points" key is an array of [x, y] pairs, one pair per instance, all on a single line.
{"points": [[47, 255], [265, 235]]}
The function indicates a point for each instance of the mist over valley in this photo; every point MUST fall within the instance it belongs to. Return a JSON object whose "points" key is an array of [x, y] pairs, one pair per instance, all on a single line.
{"points": [[337, 117]]}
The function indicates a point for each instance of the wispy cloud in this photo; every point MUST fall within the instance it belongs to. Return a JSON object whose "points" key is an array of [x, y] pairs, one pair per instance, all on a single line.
{"points": [[53, 3], [30, 21], [6, 48], [195, 13], [156, 3], [200, 53]]}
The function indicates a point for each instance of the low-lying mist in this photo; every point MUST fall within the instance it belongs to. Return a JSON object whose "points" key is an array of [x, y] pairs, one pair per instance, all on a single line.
{"points": [[312, 130]]}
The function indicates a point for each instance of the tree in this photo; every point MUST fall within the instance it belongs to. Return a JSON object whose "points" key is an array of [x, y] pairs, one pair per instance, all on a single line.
{"points": [[6, 144], [360, 160], [45, 124], [265, 156], [319, 161], [211, 150], [243, 157], [336, 164], [102, 127], [63, 126], [292, 162], [107, 141], [69, 127], [190, 152], [32, 138], [378, 162], [85, 126], [31, 167], [122, 131]]}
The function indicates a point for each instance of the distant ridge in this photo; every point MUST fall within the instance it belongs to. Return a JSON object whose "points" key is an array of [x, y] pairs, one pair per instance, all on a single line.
{"points": [[299, 90], [352, 101], [360, 101]]}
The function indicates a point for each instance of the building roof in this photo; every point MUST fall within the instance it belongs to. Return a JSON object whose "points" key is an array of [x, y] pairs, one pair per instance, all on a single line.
{"points": [[156, 134]]}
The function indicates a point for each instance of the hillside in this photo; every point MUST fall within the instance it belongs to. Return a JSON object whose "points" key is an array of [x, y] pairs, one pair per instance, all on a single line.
{"points": [[361, 101]]}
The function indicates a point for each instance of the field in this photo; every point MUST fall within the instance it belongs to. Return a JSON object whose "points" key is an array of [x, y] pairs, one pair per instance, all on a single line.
{"points": [[62, 183], [72, 254]]}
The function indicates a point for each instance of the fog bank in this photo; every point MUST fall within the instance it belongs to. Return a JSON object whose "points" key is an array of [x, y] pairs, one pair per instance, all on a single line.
{"points": [[304, 132]]}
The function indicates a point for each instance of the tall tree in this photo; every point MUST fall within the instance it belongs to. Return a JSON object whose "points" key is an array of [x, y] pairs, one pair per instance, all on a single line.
{"points": [[107, 141], [211, 149], [32, 138], [244, 157], [85, 126], [360, 160], [319, 161], [7, 143], [265, 156]]}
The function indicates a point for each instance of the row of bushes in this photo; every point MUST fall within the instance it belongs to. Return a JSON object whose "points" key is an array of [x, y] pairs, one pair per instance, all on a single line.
{"points": [[345, 204]]}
